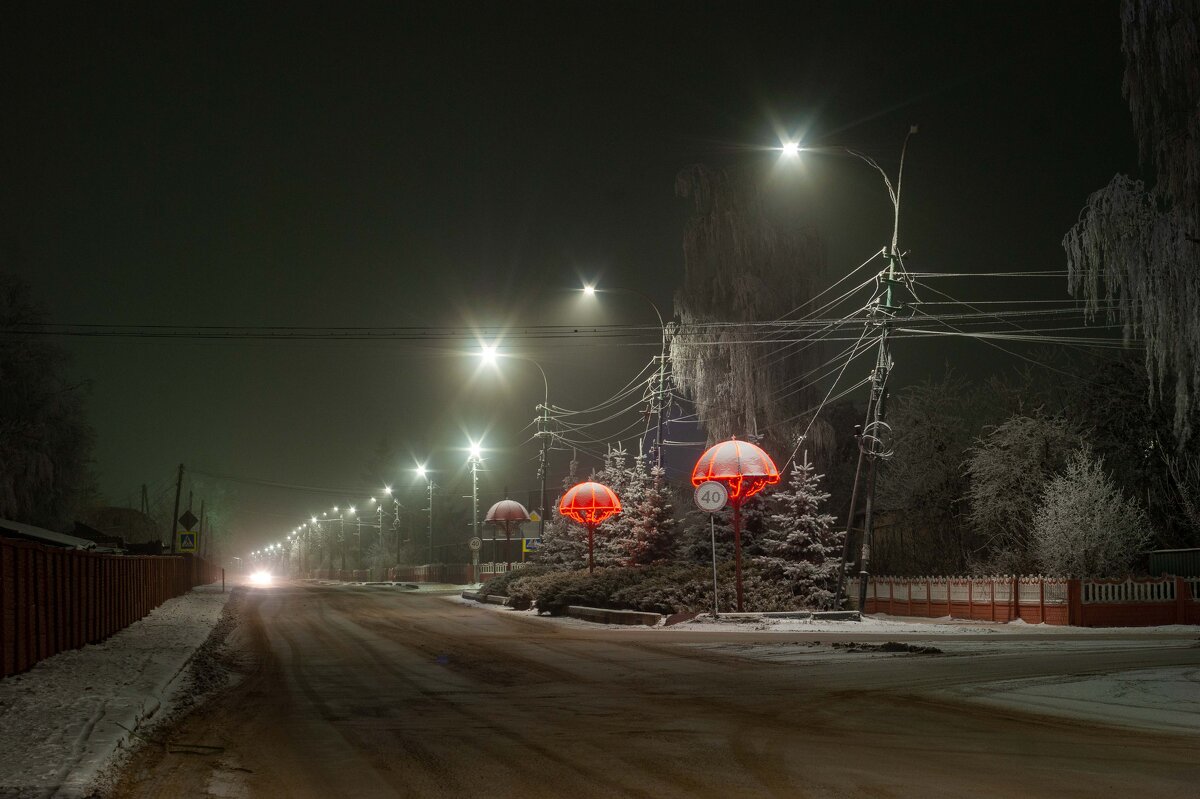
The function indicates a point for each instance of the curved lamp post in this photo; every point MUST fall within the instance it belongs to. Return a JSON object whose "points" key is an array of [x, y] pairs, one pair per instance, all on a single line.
{"points": [[504, 513], [590, 504], [745, 470]]}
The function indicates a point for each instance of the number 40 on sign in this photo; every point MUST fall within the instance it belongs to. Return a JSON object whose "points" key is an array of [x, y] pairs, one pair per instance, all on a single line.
{"points": [[711, 496]]}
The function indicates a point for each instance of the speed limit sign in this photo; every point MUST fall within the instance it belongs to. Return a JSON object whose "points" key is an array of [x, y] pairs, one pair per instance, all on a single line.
{"points": [[711, 496], [475, 544]]}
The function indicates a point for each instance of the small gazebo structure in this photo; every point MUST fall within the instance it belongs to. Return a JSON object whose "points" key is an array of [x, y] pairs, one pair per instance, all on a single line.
{"points": [[745, 470], [504, 514], [590, 504]]}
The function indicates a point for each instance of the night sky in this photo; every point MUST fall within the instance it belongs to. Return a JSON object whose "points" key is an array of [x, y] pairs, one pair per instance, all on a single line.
{"points": [[463, 164]]}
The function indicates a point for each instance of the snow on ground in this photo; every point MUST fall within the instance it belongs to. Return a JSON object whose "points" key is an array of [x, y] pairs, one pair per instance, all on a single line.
{"points": [[1159, 698], [62, 722]]}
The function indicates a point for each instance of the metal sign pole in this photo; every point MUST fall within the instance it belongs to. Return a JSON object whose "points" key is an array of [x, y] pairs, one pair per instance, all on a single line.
{"points": [[712, 525]]}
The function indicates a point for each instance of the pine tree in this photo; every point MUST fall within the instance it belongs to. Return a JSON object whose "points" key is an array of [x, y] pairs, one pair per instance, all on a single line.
{"points": [[652, 522], [629, 482], [564, 544], [801, 547]]}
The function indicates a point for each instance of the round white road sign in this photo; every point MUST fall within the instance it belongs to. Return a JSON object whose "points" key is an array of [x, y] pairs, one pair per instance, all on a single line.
{"points": [[475, 544], [711, 496]]}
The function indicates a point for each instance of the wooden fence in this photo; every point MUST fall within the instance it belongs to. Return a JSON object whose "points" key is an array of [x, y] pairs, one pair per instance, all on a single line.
{"points": [[54, 599], [1037, 599]]}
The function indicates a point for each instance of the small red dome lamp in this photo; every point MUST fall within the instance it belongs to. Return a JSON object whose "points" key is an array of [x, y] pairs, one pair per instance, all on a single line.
{"points": [[505, 513], [590, 504], [745, 470]]}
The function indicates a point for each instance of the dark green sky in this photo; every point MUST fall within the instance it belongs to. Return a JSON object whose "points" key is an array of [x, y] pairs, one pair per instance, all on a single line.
{"points": [[463, 164]]}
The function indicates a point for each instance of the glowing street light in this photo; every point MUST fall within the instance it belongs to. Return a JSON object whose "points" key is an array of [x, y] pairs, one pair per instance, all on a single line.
{"points": [[487, 352], [790, 149]]}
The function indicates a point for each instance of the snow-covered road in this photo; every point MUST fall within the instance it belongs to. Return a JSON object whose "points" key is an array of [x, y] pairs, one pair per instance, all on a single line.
{"points": [[62, 722], [365, 693]]}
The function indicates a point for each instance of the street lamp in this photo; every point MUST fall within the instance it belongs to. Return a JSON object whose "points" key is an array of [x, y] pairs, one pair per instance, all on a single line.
{"points": [[489, 354], [589, 290], [883, 311]]}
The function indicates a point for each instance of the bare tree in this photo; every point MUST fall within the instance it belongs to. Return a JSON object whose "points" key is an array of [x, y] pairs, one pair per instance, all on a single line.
{"points": [[45, 440]]}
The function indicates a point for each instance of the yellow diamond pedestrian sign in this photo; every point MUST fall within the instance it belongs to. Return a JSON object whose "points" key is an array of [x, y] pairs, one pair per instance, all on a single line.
{"points": [[187, 542]]}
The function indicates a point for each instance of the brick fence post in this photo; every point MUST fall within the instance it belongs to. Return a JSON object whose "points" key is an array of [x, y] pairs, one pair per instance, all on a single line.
{"points": [[1075, 603]]}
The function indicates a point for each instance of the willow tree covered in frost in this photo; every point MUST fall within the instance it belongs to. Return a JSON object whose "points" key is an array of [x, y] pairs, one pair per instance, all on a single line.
{"points": [[742, 263], [1136, 250]]}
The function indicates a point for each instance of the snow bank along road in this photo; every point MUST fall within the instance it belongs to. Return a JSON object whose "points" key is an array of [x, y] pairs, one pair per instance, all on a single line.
{"points": [[62, 722], [365, 693]]}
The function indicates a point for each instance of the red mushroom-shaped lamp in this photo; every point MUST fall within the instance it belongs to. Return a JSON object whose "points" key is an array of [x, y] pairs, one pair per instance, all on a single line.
{"points": [[506, 513], [745, 470], [590, 504]]}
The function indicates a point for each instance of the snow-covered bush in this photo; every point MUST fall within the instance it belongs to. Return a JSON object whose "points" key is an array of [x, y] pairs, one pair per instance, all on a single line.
{"points": [[499, 584], [1085, 526]]}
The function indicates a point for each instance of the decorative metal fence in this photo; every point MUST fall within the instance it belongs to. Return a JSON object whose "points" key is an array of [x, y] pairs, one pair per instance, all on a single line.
{"points": [[54, 599]]}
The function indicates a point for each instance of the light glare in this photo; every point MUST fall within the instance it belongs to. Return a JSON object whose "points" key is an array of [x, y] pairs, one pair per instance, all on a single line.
{"points": [[791, 149]]}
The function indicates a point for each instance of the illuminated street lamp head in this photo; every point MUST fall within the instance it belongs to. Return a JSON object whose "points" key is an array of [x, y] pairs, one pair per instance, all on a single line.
{"points": [[476, 451], [790, 149], [487, 353], [421, 471], [589, 290], [351, 511], [372, 500], [388, 490], [314, 520], [335, 508]]}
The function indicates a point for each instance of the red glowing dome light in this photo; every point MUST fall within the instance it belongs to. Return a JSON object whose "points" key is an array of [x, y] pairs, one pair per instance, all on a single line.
{"points": [[589, 503], [743, 467]]}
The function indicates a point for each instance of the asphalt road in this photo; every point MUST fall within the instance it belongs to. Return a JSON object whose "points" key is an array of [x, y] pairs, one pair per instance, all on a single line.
{"points": [[366, 692]]}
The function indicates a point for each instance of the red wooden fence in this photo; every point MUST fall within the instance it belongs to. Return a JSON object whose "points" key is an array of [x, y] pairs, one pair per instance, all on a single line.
{"points": [[54, 599]]}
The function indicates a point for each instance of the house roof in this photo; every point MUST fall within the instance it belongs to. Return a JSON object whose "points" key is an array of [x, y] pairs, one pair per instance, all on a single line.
{"points": [[21, 530]]}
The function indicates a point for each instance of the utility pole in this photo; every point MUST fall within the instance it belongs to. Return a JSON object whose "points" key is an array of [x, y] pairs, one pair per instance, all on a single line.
{"points": [[475, 503], [175, 513], [203, 543], [659, 400], [431, 522], [544, 435]]}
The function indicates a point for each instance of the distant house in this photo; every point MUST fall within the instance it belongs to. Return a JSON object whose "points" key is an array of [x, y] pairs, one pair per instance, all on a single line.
{"points": [[129, 525]]}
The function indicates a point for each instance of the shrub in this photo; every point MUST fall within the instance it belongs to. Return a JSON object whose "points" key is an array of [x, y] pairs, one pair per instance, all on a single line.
{"points": [[500, 583]]}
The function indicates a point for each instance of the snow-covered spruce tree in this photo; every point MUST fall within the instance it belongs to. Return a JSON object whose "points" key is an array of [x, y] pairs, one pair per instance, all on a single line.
{"points": [[1135, 251], [629, 481], [564, 544], [1085, 526], [653, 523], [1007, 472], [801, 548]]}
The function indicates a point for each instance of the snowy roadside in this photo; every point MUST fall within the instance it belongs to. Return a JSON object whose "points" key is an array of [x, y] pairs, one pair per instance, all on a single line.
{"points": [[1158, 698], [63, 722], [874, 625]]}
